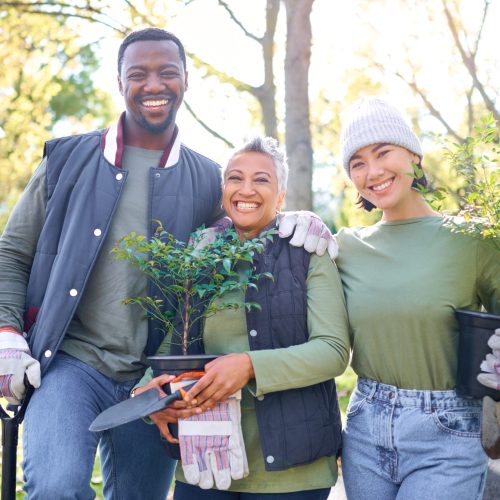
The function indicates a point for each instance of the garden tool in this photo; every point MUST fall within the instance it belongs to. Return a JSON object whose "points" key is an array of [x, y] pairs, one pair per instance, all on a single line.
{"points": [[10, 434], [143, 404]]}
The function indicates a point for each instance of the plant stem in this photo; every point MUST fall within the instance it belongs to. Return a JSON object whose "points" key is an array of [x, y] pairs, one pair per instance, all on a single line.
{"points": [[186, 320]]}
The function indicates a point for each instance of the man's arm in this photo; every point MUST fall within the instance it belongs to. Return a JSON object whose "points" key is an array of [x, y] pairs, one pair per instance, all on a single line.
{"points": [[17, 249], [308, 230]]}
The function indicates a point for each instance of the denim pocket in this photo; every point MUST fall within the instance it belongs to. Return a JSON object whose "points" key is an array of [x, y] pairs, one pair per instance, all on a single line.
{"points": [[465, 422], [356, 403]]}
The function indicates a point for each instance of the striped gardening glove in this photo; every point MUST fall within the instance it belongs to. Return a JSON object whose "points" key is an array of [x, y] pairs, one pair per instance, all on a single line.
{"points": [[16, 363], [212, 447]]}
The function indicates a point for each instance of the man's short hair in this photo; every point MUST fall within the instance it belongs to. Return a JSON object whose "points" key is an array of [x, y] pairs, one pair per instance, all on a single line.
{"points": [[148, 34]]}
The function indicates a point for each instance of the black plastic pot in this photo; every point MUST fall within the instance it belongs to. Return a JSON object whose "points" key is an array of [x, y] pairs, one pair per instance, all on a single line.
{"points": [[175, 365], [475, 328]]}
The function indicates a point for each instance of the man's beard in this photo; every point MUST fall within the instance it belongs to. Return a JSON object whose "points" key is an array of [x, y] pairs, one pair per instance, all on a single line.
{"points": [[155, 128]]}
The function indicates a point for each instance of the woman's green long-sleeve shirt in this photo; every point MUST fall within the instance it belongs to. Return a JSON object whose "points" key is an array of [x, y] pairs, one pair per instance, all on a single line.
{"points": [[403, 281]]}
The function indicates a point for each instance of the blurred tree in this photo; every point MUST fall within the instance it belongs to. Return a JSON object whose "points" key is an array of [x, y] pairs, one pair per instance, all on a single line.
{"points": [[77, 95], [296, 66], [26, 87], [297, 120], [396, 55], [43, 81], [297, 135], [454, 30]]}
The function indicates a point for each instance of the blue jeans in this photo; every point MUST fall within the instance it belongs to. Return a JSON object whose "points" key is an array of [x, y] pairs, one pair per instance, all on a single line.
{"points": [[59, 450], [185, 491], [411, 444]]}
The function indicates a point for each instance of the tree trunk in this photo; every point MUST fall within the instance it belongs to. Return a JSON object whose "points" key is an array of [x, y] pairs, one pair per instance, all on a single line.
{"points": [[297, 126], [268, 98]]}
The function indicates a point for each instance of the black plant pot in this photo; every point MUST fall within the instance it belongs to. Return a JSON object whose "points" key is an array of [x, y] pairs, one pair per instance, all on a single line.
{"points": [[175, 365], [475, 328]]}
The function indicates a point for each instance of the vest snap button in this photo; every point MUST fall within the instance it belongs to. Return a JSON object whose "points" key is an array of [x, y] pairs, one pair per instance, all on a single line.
{"points": [[269, 459], [47, 353], [97, 232], [253, 333], [73, 292], [119, 177], [157, 174]]}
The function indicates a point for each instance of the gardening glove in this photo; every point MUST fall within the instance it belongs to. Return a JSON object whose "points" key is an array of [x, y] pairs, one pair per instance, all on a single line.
{"points": [[491, 364], [490, 427], [212, 447], [207, 236], [16, 363], [309, 231]]}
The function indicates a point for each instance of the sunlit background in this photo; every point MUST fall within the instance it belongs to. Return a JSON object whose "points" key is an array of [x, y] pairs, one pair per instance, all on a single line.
{"points": [[438, 61]]}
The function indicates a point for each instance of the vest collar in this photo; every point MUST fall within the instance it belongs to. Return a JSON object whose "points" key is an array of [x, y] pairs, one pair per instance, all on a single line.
{"points": [[112, 146]]}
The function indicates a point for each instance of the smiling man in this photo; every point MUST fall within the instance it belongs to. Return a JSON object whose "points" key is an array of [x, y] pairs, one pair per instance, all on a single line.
{"points": [[62, 288]]}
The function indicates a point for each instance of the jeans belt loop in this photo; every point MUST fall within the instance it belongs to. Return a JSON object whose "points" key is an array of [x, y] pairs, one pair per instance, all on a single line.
{"points": [[373, 390], [427, 402]]}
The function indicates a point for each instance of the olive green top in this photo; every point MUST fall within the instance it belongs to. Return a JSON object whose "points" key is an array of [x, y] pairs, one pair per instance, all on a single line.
{"points": [[403, 281], [105, 333]]}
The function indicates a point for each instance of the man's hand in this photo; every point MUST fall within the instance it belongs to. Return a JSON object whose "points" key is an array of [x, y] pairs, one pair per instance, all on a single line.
{"points": [[15, 364], [224, 376], [308, 231], [172, 413], [491, 364]]}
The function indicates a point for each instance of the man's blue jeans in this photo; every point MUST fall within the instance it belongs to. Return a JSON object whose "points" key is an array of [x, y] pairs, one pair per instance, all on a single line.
{"points": [[59, 450], [410, 444]]}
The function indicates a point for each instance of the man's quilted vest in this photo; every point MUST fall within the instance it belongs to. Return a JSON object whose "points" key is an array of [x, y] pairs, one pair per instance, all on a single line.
{"points": [[296, 426], [83, 191]]}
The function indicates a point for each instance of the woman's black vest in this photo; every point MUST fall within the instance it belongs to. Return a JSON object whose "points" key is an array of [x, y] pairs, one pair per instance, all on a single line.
{"points": [[296, 426]]}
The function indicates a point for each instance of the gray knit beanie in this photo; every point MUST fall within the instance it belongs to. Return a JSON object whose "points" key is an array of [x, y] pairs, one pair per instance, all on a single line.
{"points": [[373, 121]]}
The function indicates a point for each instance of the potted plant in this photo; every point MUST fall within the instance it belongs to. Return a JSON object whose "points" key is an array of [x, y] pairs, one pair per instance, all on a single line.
{"points": [[186, 278], [477, 163]]}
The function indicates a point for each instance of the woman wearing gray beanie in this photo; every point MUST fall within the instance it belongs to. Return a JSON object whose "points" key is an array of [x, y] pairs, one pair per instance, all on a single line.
{"points": [[408, 434]]}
